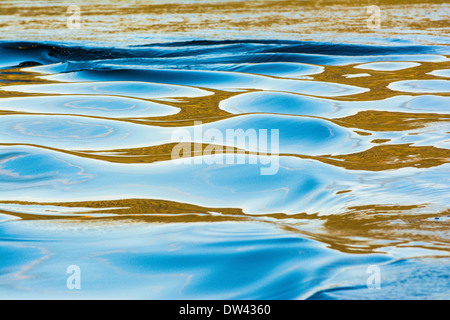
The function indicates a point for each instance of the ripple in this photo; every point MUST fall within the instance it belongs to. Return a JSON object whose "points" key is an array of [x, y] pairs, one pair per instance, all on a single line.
{"points": [[210, 79], [300, 185], [134, 89], [78, 133], [387, 66], [285, 103], [441, 73], [297, 135], [413, 279], [100, 106], [181, 261], [24, 170], [421, 86], [431, 103], [279, 69], [13, 56], [277, 102], [87, 177]]}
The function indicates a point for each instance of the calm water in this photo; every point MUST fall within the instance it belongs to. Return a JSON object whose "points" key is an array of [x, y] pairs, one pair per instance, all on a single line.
{"points": [[87, 176]]}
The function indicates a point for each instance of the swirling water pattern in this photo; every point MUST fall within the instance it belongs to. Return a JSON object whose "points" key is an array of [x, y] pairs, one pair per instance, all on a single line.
{"points": [[87, 178]]}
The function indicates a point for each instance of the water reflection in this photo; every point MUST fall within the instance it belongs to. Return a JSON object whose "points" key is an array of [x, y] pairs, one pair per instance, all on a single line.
{"points": [[184, 261], [99, 106], [87, 175]]}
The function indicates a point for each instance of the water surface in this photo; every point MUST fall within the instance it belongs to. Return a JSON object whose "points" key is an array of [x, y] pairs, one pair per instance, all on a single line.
{"points": [[361, 173]]}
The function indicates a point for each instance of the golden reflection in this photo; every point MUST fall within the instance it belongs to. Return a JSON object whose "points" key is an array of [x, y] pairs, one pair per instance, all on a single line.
{"points": [[386, 157], [379, 80], [324, 20], [377, 158], [390, 121], [362, 229]]}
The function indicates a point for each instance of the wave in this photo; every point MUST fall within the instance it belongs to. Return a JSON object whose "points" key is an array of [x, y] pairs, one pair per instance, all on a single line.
{"points": [[161, 169], [212, 52]]}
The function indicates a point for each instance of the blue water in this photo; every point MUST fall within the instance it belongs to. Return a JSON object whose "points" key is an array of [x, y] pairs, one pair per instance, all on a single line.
{"points": [[80, 128]]}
